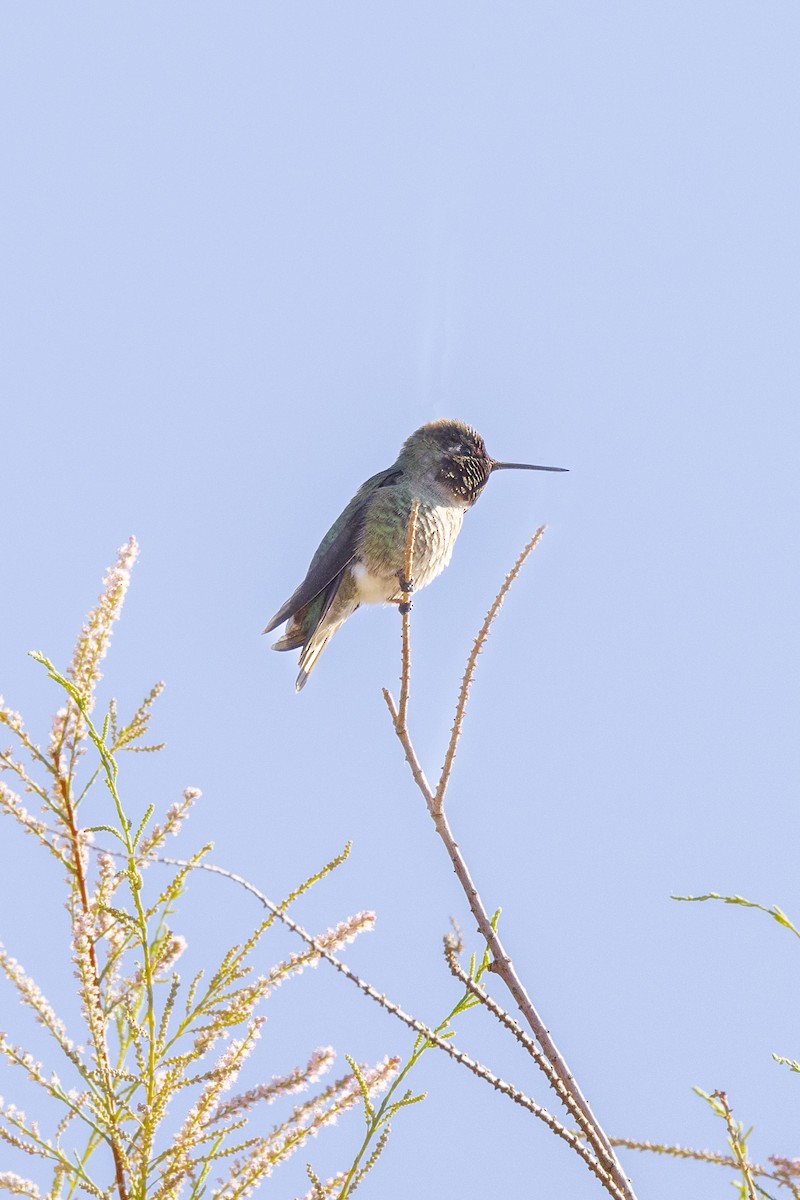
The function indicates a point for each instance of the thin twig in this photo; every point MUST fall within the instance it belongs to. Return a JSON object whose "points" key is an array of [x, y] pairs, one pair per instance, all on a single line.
{"points": [[501, 964], [112, 1137], [405, 610], [687, 1152], [528, 1044], [472, 663], [736, 1143]]}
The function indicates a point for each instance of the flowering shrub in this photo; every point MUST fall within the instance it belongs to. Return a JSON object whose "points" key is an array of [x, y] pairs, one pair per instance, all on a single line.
{"points": [[151, 1042]]}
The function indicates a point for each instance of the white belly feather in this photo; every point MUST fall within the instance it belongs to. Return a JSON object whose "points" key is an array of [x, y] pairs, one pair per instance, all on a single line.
{"points": [[372, 589]]}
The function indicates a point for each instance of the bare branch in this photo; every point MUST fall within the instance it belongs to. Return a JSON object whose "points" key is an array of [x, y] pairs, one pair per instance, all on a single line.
{"points": [[546, 1067], [472, 663], [405, 610], [610, 1168]]}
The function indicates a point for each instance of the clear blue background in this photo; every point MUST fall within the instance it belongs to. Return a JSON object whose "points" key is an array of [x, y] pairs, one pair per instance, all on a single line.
{"points": [[247, 249]]}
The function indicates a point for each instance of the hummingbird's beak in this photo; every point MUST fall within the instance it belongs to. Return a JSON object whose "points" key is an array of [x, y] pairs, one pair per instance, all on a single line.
{"points": [[498, 466]]}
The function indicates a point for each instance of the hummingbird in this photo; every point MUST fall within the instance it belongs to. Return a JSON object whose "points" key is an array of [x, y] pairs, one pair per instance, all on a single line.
{"points": [[444, 466]]}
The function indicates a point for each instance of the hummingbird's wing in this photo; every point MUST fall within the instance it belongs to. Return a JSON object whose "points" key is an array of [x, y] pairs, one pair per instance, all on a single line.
{"points": [[336, 550]]}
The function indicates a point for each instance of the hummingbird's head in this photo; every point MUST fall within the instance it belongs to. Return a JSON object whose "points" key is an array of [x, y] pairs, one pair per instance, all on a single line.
{"points": [[454, 457], [450, 455]]}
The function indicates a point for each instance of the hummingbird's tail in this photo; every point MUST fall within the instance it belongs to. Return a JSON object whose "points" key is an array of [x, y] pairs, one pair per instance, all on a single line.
{"points": [[294, 636], [312, 650], [313, 625]]}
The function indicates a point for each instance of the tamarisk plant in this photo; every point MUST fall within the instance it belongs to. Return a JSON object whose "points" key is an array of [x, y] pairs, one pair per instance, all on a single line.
{"points": [[148, 1109]]}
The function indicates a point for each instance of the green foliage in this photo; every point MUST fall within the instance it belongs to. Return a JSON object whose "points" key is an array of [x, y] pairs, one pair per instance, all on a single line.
{"points": [[737, 1141], [776, 913]]}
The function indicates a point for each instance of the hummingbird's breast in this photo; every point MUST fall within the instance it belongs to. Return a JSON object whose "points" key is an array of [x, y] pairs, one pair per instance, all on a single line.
{"points": [[382, 547], [438, 526]]}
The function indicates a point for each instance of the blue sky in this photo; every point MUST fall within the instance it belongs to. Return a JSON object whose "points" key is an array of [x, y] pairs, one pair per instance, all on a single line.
{"points": [[247, 250]]}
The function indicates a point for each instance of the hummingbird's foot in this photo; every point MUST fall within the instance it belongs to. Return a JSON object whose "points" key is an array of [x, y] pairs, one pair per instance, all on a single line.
{"points": [[406, 587]]}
